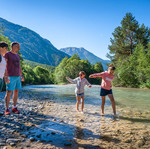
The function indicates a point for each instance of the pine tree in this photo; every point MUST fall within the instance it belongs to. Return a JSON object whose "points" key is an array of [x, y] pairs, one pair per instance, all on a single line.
{"points": [[126, 38], [125, 52]]}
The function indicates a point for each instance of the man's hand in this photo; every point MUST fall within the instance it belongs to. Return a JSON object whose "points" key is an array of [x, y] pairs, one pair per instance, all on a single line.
{"points": [[7, 81], [22, 78]]}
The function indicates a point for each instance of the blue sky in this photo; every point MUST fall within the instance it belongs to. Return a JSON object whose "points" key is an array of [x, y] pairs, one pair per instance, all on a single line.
{"points": [[75, 23]]}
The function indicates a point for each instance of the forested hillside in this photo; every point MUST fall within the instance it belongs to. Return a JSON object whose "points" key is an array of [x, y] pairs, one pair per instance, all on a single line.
{"points": [[33, 46]]}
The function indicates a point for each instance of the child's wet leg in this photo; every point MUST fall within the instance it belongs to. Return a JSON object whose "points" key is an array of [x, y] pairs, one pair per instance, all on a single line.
{"points": [[102, 105], [77, 104], [111, 97], [82, 103]]}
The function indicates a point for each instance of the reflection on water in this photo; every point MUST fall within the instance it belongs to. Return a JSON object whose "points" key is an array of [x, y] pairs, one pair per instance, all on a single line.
{"points": [[131, 99]]}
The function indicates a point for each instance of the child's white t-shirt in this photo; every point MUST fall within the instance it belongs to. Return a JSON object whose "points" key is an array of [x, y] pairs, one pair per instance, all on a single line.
{"points": [[2, 67]]}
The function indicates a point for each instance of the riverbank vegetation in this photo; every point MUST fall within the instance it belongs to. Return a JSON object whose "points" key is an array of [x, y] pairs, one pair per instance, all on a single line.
{"points": [[67, 67]]}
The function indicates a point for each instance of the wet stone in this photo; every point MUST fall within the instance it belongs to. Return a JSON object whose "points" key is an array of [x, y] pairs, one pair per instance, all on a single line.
{"points": [[28, 145], [2, 144], [53, 133], [32, 139], [140, 143], [128, 140], [67, 143], [12, 144], [13, 140]]}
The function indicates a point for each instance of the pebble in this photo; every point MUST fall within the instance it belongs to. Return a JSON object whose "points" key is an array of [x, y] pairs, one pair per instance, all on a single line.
{"points": [[13, 141], [2, 144], [81, 120], [32, 139], [53, 133], [140, 143], [67, 143]]}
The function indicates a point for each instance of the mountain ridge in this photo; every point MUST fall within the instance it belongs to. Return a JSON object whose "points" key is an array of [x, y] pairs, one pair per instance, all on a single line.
{"points": [[38, 49], [33, 46], [85, 54]]}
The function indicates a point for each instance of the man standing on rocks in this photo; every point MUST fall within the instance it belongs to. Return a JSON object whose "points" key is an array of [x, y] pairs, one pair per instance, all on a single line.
{"points": [[13, 76]]}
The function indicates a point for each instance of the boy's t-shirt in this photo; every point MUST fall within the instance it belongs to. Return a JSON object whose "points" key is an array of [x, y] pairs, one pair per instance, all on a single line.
{"points": [[80, 83], [13, 64], [106, 79]]}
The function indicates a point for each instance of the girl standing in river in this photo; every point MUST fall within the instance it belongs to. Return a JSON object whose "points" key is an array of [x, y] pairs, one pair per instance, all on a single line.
{"points": [[80, 82], [106, 90]]}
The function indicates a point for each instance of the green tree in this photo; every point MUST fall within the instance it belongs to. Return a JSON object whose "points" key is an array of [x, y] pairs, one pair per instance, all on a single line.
{"points": [[5, 39], [42, 74], [124, 40], [128, 51], [29, 75], [71, 68], [142, 57], [59, 73], [98, 68]]}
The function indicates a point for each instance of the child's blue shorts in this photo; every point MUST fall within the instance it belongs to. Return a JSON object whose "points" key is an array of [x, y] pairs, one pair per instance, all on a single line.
{"points": [[81, 94], [105, 92], [15, 83]]}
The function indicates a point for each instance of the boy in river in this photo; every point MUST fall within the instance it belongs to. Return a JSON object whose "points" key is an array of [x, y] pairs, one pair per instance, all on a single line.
{"points": [[80, 82]]}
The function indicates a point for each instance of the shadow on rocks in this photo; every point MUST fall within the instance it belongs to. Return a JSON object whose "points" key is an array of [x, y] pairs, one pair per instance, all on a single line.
{"points": [[140, 120], [23, 129]]}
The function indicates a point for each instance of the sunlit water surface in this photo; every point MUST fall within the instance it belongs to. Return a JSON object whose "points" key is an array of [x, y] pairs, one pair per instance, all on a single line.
{"points": [[88, 126], [126, 98]]}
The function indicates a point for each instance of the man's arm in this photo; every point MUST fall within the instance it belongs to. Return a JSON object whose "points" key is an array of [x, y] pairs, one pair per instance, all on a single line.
{"points": [[22, 77]]}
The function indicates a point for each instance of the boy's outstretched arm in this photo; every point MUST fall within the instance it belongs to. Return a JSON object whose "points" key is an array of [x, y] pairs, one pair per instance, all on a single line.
{"points": [[71, 80]]}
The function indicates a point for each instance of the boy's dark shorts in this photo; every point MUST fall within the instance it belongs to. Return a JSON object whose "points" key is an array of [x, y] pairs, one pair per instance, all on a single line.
{"points": [[105, 92]]}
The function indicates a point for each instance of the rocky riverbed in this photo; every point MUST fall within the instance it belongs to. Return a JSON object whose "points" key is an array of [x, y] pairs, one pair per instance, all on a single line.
{"points": [[46, 122]]}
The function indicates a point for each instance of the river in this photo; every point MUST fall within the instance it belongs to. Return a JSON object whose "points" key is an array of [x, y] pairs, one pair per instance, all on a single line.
{"points": [[91, 130], [126, 98]]}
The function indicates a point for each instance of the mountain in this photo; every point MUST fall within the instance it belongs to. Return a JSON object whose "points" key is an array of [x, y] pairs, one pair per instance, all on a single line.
{"points": [[32, 46], [84, 54]]}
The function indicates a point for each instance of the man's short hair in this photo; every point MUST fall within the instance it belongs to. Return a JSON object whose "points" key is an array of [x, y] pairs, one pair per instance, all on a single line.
{"points": [[3, 44], [14, 43]]}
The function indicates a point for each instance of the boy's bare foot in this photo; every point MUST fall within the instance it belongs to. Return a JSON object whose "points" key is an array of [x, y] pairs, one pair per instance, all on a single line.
{"points": [[116, 116], [77, 110], [102, 114]]}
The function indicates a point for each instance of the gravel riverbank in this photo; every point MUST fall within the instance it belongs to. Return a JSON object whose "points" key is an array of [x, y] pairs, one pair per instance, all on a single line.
{"points": [[46, 122]]}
